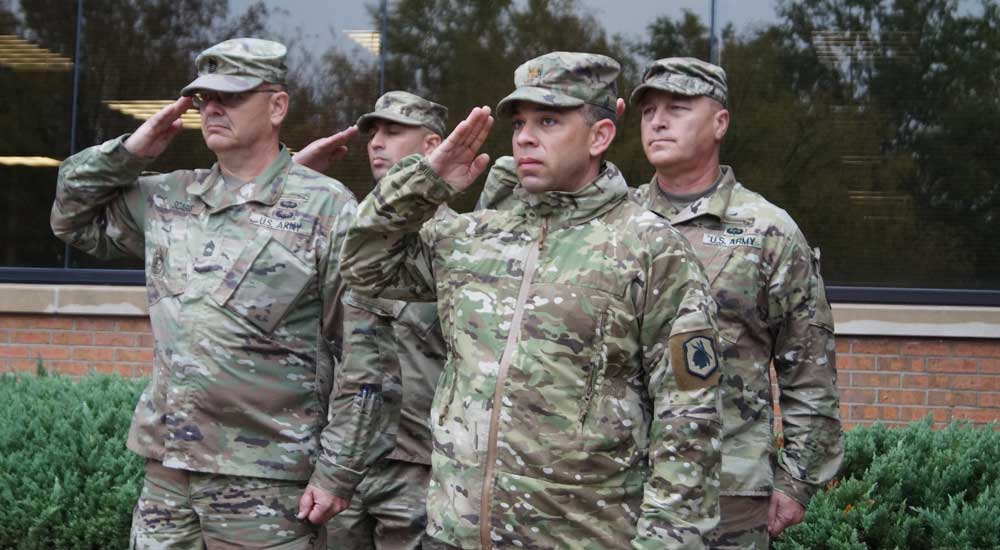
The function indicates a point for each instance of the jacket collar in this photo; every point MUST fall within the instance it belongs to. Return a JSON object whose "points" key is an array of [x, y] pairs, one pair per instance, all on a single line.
{"points": [[566, 209], [264, 189], [714, 204]]}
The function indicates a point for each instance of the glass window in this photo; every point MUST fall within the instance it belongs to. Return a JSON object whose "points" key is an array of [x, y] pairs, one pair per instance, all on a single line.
{"points": [[872, 122]]}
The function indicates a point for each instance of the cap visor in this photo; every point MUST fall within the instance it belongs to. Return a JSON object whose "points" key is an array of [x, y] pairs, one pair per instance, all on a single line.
{"points": [[540, 96], [366, 121], [222, 83]]}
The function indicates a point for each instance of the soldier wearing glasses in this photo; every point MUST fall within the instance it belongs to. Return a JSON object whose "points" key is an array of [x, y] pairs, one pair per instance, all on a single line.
{"points": [[244, 288]]}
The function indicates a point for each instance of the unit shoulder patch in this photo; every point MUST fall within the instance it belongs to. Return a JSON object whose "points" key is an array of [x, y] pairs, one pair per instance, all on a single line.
{"points": [[694, 360]]}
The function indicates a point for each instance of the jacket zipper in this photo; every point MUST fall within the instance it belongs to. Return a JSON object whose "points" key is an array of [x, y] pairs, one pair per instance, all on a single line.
{"points": [[513, 337]]}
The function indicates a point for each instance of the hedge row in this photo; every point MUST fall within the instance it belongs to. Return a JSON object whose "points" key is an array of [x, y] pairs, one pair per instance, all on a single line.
{"points": [[67, 481]]}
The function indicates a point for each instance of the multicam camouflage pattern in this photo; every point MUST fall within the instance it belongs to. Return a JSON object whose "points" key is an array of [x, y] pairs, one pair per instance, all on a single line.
{"points": [[243, 289], [772, 307], [388, 510], [239, 65], [559, 420], [179, 509], [767, 284], [743, 525], [406, 108], [683, 76], [565, 79]]}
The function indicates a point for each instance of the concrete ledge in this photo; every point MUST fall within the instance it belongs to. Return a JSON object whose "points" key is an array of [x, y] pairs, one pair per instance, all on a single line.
{"points": [[851, 319], [73, 299], [922, 321]]}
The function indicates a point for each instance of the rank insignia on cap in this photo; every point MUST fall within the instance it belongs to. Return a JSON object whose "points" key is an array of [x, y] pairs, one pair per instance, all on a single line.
{"points": [[534, 73], [700, 357]]}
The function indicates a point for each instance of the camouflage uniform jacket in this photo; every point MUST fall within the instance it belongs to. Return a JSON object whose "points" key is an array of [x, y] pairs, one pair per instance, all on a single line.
{"points": [[577, 407], [243, 292], [772, 306]]}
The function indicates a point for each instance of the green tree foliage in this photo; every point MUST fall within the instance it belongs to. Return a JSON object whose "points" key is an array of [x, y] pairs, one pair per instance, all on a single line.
{"points": [[66, 479]]}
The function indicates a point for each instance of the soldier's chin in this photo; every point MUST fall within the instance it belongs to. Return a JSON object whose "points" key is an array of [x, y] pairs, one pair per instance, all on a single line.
{"points": [[217, 143]]}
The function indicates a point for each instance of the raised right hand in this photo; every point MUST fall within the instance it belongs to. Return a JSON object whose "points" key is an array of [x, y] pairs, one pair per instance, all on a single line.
{"points": [[152, 138], [457, 159]]}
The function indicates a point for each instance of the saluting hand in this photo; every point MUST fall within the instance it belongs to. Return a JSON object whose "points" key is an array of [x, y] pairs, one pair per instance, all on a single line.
{"points": [[457, 159], [152, 138], [323, 152]]}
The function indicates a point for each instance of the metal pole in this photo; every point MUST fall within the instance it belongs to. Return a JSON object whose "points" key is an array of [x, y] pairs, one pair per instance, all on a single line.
{"points": [[382, 48], [713, 40], [76, 98]]}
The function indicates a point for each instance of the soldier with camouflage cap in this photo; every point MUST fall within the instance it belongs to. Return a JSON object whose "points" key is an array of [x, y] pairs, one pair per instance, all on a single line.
{"points": [[244, 287], [401, 344], [577, 407], [772, 306]]}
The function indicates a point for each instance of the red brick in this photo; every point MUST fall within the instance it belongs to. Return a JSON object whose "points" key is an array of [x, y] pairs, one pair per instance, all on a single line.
{"points": [[146, 340], [14, 351], [981, 416], [843, 345], [972, 382], [991, 366], [952, 365], [72, 337], [50, 322], [889, 413], [902, 397], [95, 323], [873, 380], [989, 400], [134, 355], [50, 353], [845, 412], [72, 368], [927, 347], [116, 339], [854, 395], [977, 348], [932, 381], [864, 412], [848, 425], [901, 364], [138, 324], [876, 346], [4, 335], [94, 354], [909, 414], [32, 336], [951, 398], [854, 362], [22, 365]]}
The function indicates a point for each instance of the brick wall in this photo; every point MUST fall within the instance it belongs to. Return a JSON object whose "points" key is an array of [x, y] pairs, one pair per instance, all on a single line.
{"points": [[895, 380], [76, 345]]}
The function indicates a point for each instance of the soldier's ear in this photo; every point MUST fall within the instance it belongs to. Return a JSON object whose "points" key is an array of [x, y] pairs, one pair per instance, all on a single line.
{"points": [[278, 108], [431, 141], [720, 124], [602, 133]]}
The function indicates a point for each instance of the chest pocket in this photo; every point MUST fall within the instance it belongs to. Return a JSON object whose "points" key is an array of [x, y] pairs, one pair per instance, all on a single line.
{"points": [[265, 281]]}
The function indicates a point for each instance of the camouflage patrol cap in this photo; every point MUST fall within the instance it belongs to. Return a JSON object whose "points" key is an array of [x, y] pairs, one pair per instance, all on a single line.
{"points": [[406, 108], [239, 65], [683, 76], [565, 79]]}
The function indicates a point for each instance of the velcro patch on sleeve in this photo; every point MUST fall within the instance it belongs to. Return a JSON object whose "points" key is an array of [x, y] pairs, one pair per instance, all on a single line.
{"points": [[694, 360]]}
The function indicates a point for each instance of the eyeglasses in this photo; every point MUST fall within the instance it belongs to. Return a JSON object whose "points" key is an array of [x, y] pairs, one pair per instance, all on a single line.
{"points": [[226, 99]]}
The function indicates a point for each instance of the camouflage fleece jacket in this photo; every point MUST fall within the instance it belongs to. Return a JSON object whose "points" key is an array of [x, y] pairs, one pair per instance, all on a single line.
{"points": [[243, 291], [772, 307], [577, 406]]}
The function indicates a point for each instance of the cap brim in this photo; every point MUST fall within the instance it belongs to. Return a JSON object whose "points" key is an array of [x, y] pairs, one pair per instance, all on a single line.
{"points": [[222, 83], [541, 96], [366, 120]]}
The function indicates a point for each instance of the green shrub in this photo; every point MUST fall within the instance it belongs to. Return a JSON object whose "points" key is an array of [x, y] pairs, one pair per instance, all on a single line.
{"points": [[910, 488], [66, 478]]}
